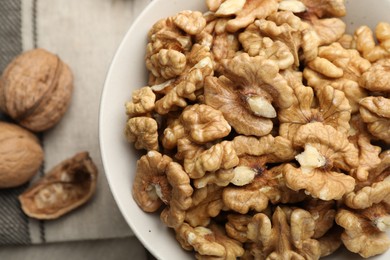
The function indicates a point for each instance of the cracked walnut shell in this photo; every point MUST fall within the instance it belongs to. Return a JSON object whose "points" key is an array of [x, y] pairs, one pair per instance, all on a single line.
{"points": [[67, 186], [35, 89], [21, 155]]}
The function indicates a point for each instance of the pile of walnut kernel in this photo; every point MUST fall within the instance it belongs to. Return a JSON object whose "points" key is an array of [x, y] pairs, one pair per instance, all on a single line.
{"points": [[266, 128]]}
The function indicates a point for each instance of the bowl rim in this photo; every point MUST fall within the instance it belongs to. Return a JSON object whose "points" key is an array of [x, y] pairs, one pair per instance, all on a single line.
{"points": [[103, 152], [159, 9]]}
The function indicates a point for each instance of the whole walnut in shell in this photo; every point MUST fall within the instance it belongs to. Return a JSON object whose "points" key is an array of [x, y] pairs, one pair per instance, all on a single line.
{"points": [[35, 89], [21, 155]]}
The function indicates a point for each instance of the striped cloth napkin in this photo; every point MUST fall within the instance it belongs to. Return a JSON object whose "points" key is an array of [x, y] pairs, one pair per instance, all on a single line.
{"points": [[85, 35]]}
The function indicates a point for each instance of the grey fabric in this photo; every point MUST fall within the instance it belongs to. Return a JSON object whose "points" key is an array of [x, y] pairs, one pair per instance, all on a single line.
{"points": [[13, 223], [10, 31], [105, 249]]}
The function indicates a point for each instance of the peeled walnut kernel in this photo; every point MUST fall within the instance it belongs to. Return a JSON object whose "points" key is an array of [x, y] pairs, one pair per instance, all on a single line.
{"points": [[237, 226], [204, 123], [190, 22], [167, 63], [143, 132], [252, 92], [222, 44], [323, 213], [222, 94], [180, 198], [267, 186], [340, 68], [366, 44], [21, 155], [287, 235], [368, 153], [375, 113], [230, 7], [254, 43], [377, 78], [375, 188], [206, 204], [294, 6], [197, 162], [326, 151], [326, 8], [64, 188], [333, 108], [296, 34], [250, 11], [150, 187], [142, 102], [362, 231], [209, 243], [35, 89], [185, 87]]}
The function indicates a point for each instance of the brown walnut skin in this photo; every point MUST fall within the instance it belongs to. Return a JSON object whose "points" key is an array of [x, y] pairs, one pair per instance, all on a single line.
{"points": [[21, 155], [64, 188], [35, 89]]}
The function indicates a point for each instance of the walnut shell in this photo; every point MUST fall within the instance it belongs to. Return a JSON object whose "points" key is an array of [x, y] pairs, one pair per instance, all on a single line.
{"points": [[35, 89], [64, 188], [21, 155]]}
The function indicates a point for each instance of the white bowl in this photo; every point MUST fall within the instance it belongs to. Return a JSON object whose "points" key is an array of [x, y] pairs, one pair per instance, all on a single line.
{"points": [[127, 73]]}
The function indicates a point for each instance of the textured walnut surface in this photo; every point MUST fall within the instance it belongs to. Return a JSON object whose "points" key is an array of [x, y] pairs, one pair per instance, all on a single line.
{"points": [[35, 89], [266, 130], [21, 155]]}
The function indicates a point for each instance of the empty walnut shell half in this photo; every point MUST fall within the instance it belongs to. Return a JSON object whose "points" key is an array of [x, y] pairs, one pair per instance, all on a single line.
{"points": [[35, 89], [66, 187]]}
